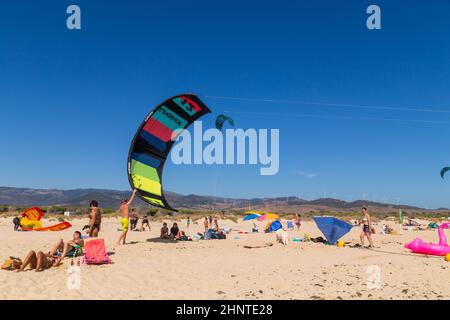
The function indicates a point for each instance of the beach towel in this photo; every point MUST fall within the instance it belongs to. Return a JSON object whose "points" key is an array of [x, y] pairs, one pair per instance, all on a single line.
{"points": [[94, 251]]}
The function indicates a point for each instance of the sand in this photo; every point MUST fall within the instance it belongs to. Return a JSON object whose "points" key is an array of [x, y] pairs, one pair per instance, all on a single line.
{"points": [[225, 269]]}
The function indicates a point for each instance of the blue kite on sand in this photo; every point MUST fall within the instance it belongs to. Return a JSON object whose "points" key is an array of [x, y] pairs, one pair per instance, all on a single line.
{"points": [[333, 229]]}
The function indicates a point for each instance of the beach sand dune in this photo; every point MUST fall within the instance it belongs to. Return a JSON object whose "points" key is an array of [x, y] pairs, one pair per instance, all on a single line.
{"points": [[225, 269]]}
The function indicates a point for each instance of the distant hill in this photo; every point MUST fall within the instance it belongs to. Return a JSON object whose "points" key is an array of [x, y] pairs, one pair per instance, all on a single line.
{"points": [[24, 197]]}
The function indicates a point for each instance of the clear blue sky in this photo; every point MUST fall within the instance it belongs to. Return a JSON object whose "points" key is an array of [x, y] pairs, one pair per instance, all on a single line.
{"points": [[70, 101]]}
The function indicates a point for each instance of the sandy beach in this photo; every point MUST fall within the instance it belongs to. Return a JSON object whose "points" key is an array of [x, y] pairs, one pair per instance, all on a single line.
{"points": [[224, 269]]}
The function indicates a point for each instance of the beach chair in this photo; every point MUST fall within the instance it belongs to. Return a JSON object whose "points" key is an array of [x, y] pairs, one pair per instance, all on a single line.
{"points": [[94, 251], [75, 252]]}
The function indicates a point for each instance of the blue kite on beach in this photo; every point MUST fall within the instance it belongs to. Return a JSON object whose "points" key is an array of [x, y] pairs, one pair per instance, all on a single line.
{"points": [[333, 229]]}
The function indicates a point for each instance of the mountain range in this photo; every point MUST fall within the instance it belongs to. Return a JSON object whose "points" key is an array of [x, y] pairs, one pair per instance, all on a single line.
{"points": [[24, 197]]}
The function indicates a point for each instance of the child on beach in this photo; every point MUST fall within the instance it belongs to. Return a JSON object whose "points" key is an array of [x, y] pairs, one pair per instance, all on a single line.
{"points": [[145, 223], [206, 224]]}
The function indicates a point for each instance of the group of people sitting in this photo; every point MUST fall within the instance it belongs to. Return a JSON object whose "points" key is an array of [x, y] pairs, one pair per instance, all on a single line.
{"points": [[134, 219], [174, 233]]}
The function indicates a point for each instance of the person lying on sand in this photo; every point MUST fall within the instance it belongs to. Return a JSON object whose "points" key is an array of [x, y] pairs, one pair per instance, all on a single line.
{"points": [[65, 248], [164, 231], [38, 261], [182, 236]]}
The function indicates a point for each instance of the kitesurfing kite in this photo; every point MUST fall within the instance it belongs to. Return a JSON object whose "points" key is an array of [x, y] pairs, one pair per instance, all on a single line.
{"points": [[443, 171], [221, 119], [31, 221], [152, 143], [333, 229]]}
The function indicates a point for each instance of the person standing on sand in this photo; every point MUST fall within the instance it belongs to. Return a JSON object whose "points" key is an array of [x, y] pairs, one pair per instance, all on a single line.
{"points": [[188, 222], [206, 224], [367, 228], [298, 221], [95, 219], [125, 218]]}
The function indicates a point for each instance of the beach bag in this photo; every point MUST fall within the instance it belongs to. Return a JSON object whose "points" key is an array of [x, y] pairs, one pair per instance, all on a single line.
{"points": [[208, 235], [11, 264], [94, 251]]}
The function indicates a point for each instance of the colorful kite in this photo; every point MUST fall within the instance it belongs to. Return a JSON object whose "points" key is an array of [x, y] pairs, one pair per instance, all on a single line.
{"points": [[251, 216], [31, 221], [152, 143], [221, 119]]}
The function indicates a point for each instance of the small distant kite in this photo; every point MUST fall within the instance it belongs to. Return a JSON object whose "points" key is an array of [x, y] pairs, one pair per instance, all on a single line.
{"points": [[443, 171], [220, 121]]}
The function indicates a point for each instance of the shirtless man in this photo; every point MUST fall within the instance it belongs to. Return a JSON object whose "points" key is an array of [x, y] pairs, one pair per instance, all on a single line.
{"points": [[65, 248], [125, 218]]}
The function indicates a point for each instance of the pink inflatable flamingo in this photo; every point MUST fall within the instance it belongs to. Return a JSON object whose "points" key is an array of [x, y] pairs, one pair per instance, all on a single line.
{"points": [[441, 249]]}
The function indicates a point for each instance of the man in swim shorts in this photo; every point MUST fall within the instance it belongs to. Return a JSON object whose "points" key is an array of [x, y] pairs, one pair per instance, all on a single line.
{"points": [[62, 248], [125, 217]]}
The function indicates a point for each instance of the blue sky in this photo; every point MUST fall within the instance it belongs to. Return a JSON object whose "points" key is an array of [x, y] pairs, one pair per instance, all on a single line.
{"points": [[70, 101]]}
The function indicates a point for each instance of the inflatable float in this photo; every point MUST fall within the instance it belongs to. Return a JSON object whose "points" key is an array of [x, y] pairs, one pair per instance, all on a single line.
{"points": [[435, 249]]}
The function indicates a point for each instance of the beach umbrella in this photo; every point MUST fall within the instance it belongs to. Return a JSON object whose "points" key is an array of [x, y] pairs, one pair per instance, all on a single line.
{"points": [[333, 229], [251, 216], [268, 216]]}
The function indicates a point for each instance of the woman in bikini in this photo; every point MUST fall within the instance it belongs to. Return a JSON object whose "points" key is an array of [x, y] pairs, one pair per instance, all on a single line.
{"points": [[38, 261], [367, 228], [95, 219]]}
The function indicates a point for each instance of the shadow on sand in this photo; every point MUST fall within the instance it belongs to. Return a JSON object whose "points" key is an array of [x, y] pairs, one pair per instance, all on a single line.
{"points": [[159, 240]]}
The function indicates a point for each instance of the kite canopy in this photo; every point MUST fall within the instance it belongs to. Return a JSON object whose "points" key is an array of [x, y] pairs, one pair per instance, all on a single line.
{"points": [[274, 226], [268, 216], [251, 216], [152, 143], [443, 171], [33, 214], [221, 119], [333, 229], [31, 221]]}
